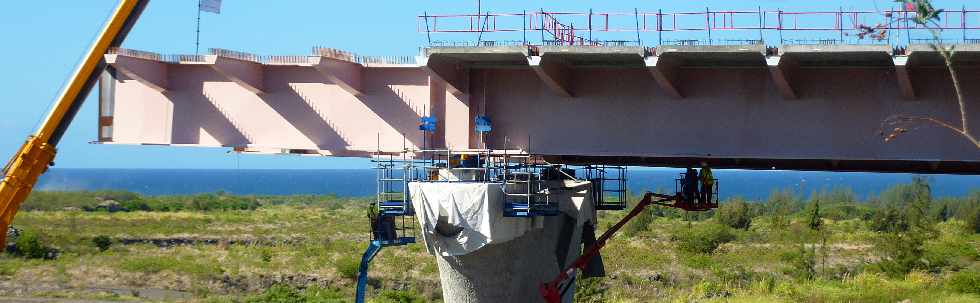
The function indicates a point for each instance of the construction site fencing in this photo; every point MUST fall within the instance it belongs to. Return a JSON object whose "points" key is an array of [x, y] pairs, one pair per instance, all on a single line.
{"points": [[705, 27]]}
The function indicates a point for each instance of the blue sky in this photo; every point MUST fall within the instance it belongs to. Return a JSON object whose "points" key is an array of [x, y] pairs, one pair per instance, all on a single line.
{"points": [[43, 43]]}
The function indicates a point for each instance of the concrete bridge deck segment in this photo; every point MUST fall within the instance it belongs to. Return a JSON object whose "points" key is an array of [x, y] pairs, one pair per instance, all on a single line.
{"points": [[804, 107]]}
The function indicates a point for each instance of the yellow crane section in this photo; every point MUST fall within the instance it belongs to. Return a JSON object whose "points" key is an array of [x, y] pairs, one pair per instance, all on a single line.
{"points": [[33, 158]]}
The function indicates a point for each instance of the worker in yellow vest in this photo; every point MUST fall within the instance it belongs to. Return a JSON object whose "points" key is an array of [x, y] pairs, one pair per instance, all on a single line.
{"points": [[707, 184]]}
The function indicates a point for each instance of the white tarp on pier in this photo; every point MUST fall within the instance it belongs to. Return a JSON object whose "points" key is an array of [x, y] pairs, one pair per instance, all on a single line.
{"points": [[458, 218], [471, 216]]}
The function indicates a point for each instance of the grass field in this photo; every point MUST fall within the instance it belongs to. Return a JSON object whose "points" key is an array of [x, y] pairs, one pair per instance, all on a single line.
{"points": [[306, 249]]}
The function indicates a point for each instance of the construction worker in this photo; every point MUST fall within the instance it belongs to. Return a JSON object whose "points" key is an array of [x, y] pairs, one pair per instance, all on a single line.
{"points": [[382, 227], [372, 214], [707, 184], [690, 186]]}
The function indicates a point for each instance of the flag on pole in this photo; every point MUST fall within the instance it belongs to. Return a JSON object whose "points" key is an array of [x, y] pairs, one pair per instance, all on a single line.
{"points": [[211, 6]]}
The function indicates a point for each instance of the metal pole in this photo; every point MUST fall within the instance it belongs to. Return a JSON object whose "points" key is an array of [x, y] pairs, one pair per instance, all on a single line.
{"points": [[840, 22], [636, 17], [542, 26], [707, 22], [908, 32], [428, 34], [762, 38], [660, 27], [779, 27], [197, 39], [524, 26], [479, 22]]}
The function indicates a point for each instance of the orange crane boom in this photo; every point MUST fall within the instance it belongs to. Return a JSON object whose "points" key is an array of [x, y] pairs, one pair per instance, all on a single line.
{"points": [[33, 158]]}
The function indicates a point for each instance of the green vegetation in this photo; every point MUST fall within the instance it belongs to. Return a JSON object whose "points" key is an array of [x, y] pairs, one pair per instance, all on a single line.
{"points": [[903, 244], [29, 245], [103, 242], [703, 239]]}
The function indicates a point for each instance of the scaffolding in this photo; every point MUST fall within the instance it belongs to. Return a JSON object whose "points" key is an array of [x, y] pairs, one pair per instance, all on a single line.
{"points": [[525, 187], [393, 223]]}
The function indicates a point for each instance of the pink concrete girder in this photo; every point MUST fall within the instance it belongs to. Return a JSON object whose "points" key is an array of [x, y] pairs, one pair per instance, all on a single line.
{"points": [[665, 73], [447, 71], [151, 73], [553, 72], [248, 74], [782, 70], [903, 76], [733, 114], [348, 75]]}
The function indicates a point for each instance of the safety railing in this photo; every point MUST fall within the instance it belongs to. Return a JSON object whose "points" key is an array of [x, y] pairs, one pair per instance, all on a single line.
{"points": [[220, 52], [285, 60], [184, 58], [136, 53], [334, 54], [394, 60], [581, 28]]}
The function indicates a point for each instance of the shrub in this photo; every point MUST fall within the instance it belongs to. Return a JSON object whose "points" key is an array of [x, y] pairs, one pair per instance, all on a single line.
{"points": [[803, 262], [103, 242], [902, 252], [278, 293], [973, 221], [703, 239], [638, 224], [395, 296], [590, 290], [965, 282], [29, 246], [318, 294], [735, 213], [347, 267]]}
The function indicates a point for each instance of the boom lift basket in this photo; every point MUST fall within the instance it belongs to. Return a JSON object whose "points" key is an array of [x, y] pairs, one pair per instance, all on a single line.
{"points": [[608, 186], [696, 204]]}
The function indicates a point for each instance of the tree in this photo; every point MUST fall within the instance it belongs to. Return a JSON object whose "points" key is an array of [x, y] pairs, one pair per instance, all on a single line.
{"points": [[928, 17], [815, 221], [735, 213], [779, 205], [973, 220], [942, 215]]}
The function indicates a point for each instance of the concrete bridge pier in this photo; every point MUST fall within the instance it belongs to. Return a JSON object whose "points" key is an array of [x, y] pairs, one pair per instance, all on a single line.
{"points": [[513, 269]]}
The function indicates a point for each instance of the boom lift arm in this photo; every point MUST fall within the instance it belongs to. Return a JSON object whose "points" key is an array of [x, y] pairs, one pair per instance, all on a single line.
{"points": [[553, 290], [33, 158]]}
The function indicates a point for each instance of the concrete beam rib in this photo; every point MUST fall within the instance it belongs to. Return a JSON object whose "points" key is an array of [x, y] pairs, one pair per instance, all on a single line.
{"points": [[903, 75], [665, 73], [347, 75], [445, 71], [246, 73], [782, 69], [148, 72], [556, 75]]}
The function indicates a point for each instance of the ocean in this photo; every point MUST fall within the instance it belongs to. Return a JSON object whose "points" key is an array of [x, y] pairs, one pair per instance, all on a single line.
{"points": [[753, 185]]}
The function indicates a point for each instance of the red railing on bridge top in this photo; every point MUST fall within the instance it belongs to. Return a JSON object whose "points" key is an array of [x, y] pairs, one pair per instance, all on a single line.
{"points": [[579, 27]]}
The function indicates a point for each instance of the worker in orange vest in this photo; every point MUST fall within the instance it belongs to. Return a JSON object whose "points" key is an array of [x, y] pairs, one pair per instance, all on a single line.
{"points": [[707, 184]]}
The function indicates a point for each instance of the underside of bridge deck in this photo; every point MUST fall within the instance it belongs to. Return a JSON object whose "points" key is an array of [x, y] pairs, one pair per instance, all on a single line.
{"points": [[799, 107]]}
